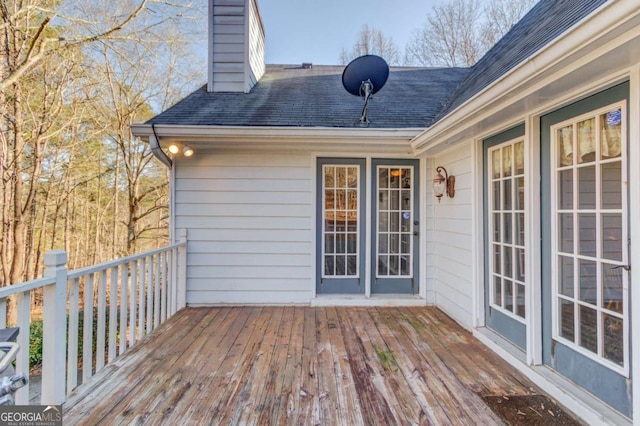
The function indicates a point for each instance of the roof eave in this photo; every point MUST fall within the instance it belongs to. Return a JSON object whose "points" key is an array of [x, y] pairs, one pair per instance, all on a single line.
{"points": [[265, 134], [516, 84]]}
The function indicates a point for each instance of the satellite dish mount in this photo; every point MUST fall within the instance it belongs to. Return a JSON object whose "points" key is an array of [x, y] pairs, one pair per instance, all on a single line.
{"points": [[363, 77]]}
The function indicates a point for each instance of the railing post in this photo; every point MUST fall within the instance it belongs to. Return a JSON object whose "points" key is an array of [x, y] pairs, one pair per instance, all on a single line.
{"points": [[54, 329], [182, 270]]}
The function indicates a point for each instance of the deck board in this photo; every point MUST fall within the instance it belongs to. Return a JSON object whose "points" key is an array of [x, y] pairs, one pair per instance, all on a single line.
{"points": [[300, 366]]}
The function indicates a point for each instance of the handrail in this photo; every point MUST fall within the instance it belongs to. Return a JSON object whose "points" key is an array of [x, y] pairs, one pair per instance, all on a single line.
{"points": [[76, 273], [25, 286]]}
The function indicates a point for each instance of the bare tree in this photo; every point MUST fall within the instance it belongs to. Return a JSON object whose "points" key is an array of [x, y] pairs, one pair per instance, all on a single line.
{"points": [[501, 16], [57, 161], [371, 41], [457, 33]]}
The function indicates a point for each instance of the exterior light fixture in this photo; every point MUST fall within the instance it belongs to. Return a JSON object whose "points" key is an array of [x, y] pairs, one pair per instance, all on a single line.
{"points": [[174, 149], [443, 184], [187, 151]]}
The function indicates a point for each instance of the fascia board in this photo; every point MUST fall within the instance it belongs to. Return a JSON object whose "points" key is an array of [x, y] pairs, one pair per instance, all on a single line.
{"points": [[263, 135]]}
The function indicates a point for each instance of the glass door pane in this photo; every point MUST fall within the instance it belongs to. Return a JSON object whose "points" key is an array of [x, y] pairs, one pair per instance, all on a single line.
{"points": [[394, 252], [590, 234], [506, 191], [341, 209]]}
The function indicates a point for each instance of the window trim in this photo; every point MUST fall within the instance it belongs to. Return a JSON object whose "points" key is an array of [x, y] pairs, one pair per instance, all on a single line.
{"points": [[555, 252], [323, 275], [490, 243], [377, 210]]}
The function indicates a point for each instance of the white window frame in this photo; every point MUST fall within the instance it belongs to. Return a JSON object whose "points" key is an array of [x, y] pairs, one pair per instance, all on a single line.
{"points": [[377, 231], [490, 243], [554, 168], [358, 215]]}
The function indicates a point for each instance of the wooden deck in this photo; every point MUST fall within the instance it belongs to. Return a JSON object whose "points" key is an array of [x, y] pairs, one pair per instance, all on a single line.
{"points": [[302, 366]]}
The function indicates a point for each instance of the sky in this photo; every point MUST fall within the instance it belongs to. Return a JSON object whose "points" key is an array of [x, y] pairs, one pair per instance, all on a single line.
{"points": [[316, 30]]}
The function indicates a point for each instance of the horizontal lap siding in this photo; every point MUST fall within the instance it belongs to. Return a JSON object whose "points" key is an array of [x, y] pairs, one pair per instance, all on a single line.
{"points": [[450, 269], [250, 227]]}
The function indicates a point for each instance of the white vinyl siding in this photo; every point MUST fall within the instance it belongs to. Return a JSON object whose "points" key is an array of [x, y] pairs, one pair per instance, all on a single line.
{"points": [[249, 217], [451, 239]]}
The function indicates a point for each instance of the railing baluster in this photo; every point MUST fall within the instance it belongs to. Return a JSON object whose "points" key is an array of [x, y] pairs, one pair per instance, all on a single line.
{"points": [[182, 271], [156, 288], [172, 282], [72, 336], [3, 313], [163, 287], [133, 303], [149, 285], [113, 314], [102, 304], [23, 306], [87, 330], [124, 299], [141, 310]]}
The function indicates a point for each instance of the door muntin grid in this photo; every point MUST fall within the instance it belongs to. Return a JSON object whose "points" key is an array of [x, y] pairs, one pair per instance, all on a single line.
{"points": [[340, 229], [506, 250], [590, 234], [394, 234]]}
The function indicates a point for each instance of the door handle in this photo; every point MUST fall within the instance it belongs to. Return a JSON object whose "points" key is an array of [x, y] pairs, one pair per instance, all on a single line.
{"points": [[416, 233], [625, 267]]}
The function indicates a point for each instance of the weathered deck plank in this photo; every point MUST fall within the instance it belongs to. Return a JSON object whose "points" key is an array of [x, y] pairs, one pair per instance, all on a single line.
{"points": [[309, 403], [451, 401], [116, 381], [300, 366]]}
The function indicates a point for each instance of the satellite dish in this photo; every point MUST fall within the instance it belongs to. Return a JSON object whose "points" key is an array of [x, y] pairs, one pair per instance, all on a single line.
{"points": [[365, 76]]}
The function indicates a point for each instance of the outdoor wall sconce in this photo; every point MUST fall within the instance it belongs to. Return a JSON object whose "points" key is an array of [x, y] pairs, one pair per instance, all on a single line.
{"points": [[443, 184]]}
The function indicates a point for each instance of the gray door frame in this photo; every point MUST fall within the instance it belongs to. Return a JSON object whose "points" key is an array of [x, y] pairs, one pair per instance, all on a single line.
{"points": [[509, 328], [341, 285], [396, 285], [611, 387]]}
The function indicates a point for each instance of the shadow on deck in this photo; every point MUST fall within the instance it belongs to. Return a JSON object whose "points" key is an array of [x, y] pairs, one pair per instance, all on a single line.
{"points": [[305, 365]]}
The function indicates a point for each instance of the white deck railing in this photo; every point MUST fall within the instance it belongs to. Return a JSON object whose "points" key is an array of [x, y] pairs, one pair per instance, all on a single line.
{"points": [[120, 301]]}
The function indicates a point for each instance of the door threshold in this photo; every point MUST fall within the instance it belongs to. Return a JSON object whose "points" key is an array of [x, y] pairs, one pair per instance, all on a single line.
{"points": [[373, 300]]}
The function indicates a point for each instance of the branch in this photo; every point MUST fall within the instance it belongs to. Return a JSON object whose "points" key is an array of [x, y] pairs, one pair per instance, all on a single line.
{"points": [[30, 61]]}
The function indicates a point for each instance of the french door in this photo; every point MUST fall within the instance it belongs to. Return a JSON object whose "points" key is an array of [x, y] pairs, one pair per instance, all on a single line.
{"points": [[340, 226], [395, 226], [505, 236], [342, 243], [586, 331]]}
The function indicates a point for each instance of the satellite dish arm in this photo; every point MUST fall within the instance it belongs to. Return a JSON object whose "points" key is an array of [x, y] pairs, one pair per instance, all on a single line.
{"points": [[366, 90]]}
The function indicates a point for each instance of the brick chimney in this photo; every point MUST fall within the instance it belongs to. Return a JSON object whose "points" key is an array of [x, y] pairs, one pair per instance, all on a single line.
{"points": [[236, 45]]}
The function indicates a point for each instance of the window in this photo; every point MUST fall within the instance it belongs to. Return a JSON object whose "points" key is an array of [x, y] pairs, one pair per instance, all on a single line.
{"points": [[506, 195], [589, 225], [395, 229], [341, 209]]}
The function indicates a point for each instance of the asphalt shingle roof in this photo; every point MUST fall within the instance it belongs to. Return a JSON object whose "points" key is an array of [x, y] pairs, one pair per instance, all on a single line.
{"points": [[293, 96], [412, 97]]}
